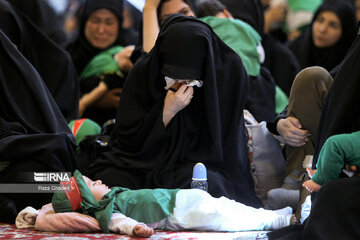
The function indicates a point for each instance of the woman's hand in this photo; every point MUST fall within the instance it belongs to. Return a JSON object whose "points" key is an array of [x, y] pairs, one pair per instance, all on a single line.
{"points": [[142, 230], [290, 130], [91, 98], [123, 58], [175, 101], [274, 15]]}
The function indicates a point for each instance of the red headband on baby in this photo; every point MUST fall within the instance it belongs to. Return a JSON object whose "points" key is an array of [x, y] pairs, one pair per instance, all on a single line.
{"points": [[74, 195]]}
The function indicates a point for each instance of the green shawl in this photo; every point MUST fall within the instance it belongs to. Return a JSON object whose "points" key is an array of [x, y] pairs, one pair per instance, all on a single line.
{"points": [[241, 37], [103, 63]]}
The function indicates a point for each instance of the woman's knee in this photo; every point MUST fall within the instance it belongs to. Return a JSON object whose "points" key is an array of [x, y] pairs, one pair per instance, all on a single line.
{"points": [[317, 77]]}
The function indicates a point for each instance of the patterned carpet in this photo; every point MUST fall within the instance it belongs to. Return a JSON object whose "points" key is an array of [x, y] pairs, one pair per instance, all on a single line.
{"points": [[9, 231]]}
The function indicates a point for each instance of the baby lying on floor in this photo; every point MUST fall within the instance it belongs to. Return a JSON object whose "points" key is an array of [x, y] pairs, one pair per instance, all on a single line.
{"points": [[137, 212]]}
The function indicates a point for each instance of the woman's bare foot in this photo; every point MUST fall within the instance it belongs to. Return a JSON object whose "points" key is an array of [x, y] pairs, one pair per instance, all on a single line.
{"points": [[311, 186]]}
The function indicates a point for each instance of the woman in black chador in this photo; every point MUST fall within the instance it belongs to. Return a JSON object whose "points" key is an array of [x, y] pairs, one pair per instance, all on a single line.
{"points": [[161, 134], [329, 36], [101, 35], [34, 136]]}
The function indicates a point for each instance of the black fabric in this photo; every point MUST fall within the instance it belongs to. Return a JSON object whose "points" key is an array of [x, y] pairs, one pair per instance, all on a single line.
{"points": [[250, 11], [34, 136], [52, 62], [81, 50], [334, 214], [335, 210], [44, 17], [341, 112], [261, 96], [210, 129], [132, 34], [310, 55], [135, 14], [279, 60]]}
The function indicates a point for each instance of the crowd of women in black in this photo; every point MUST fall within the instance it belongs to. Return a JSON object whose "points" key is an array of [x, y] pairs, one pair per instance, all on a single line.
{"points": [[176, 102]]}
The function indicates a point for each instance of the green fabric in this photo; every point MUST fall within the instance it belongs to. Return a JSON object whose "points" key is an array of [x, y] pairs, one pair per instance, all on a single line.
{"points": [[337, 151], [103, 63], [241, 37], [87, 128], [3, 165], [304, 5], [61, 203], [281, 100], [144, 205]]}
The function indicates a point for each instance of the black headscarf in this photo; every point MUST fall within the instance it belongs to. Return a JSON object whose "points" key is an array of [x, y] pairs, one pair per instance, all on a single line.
{"points": [[44, 17], [209, 130], [250, 11], [52, 62], [341, 113], [310, 55], [34, 136], [81, 50]]}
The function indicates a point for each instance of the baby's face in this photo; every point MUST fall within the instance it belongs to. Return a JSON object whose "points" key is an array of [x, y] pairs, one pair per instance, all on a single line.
{"points": [[97, 188]]}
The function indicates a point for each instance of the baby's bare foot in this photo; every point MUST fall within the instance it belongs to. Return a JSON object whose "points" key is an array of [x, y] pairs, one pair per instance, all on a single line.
{"points": [[311, 186]]}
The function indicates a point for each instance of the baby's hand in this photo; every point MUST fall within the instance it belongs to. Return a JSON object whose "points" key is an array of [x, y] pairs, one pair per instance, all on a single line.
{"points": [[142, 230]]}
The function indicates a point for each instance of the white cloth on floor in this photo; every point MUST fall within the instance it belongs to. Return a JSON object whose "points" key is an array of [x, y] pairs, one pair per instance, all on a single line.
{"points": [[26, 218]]}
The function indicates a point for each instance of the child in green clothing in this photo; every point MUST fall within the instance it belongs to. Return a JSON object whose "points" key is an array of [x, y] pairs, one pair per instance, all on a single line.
{"points": [[167, 209], [337, 151]]}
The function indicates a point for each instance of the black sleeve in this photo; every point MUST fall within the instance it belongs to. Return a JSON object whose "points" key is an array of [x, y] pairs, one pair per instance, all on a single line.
{"points": [[272, 125], [112, 80]]}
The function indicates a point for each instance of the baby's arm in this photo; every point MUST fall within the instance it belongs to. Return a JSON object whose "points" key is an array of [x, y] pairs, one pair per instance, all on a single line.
{"points": [[122, 224]]}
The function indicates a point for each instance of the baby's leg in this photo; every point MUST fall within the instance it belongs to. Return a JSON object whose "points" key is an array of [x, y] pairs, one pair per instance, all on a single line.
{"points": [[196, 209], [311, 186]]}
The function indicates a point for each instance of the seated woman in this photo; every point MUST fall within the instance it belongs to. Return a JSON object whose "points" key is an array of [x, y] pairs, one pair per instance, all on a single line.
{"points": [[334, 213], [52, 62], [100, 59], [328, 37], [162, 133], [241, 37], [34, 136]]}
